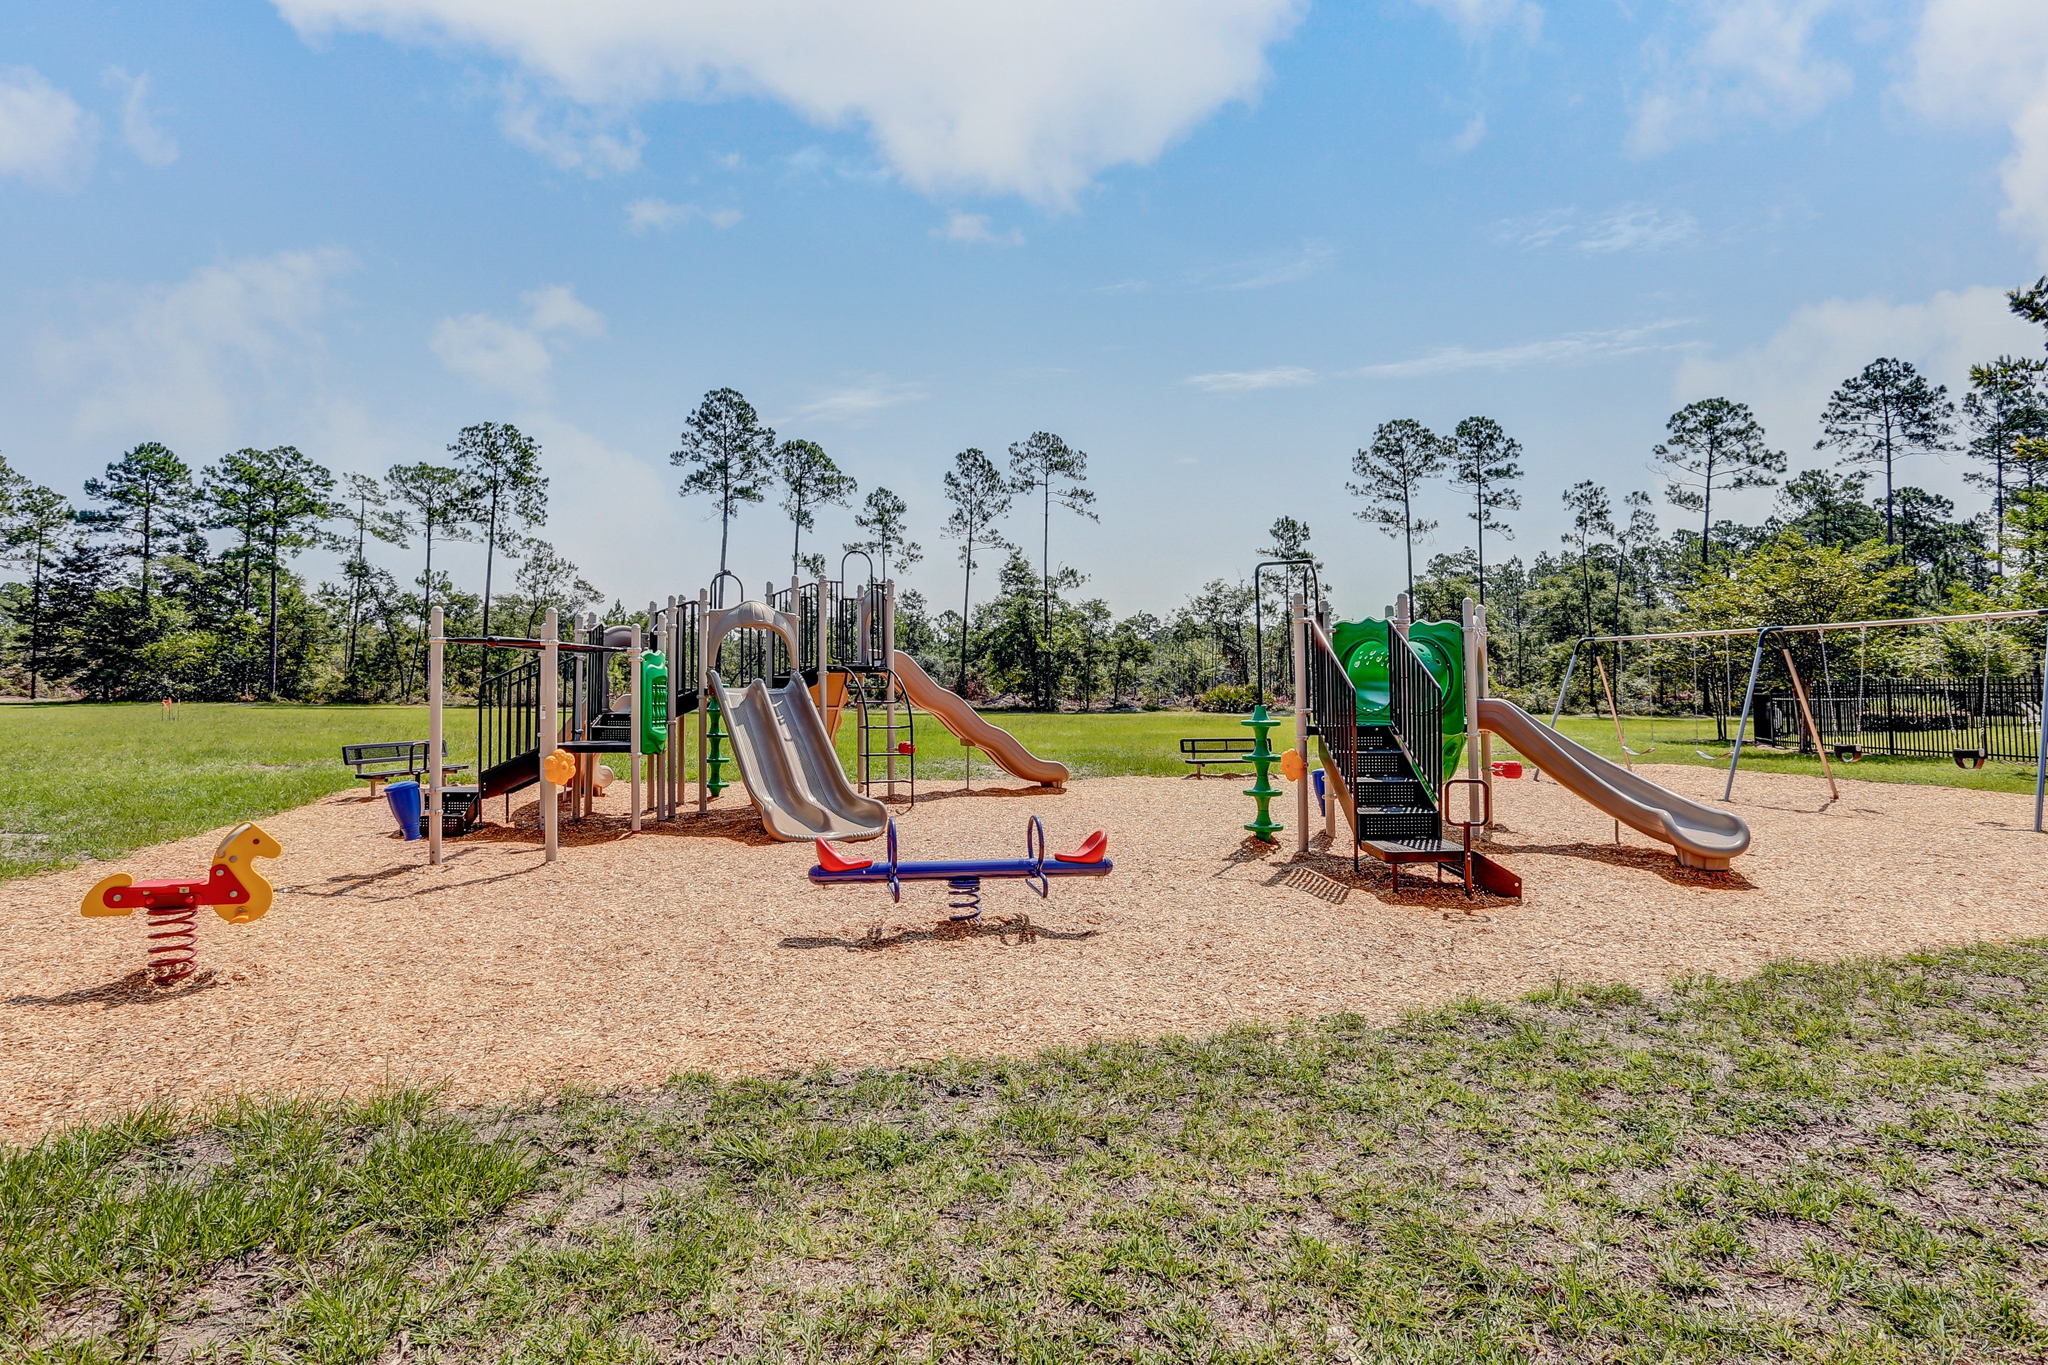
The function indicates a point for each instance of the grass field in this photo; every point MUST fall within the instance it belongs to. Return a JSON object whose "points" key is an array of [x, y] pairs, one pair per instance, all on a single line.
{"points": [[94, 782], [1822, 1164]]}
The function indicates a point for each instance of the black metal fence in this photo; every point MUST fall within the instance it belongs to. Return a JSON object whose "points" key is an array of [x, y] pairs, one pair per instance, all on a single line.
{"points": [[1918, 718], [1416, 713]]}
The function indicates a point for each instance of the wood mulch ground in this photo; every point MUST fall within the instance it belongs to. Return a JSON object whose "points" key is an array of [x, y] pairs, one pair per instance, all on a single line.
{"points": [[702, 946]]}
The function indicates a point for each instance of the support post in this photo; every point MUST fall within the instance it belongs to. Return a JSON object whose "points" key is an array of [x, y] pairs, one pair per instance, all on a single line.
{"points": [[1475, 800], [1297, 629], [634, 703], [2041, 753], [703, 697], [436, 735], [1564, 689], [1813, 731], [1756, 664], [1483, 690], [550, 734]]}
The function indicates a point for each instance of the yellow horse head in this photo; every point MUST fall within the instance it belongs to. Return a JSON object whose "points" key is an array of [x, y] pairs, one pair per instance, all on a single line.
{"points": [[237, 853]]}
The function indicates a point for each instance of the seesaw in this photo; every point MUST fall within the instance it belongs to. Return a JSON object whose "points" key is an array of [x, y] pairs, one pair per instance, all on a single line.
{"points": [[963, 879]]}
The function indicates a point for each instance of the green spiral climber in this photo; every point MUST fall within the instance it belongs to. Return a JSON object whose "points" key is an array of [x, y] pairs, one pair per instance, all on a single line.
{"points": [[1262, 758], [714, 754]]}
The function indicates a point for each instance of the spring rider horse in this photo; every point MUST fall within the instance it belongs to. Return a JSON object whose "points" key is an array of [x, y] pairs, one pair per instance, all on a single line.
{"points": [[232, 886]]}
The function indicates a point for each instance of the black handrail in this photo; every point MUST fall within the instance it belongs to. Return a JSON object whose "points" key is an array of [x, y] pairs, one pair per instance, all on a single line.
{"points": [[1415, 714], [1333, 710], [508, 714]]}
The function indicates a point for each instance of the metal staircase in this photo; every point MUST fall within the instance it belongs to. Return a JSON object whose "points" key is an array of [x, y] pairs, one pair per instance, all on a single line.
{"points": [[1389, 778]]}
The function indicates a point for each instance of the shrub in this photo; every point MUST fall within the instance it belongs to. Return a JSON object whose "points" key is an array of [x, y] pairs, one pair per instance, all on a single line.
{"points": [[1228, 697]]}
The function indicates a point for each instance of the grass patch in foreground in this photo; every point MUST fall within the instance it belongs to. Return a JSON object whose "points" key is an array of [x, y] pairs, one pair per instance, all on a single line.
{"points": [[1823, 1163]]}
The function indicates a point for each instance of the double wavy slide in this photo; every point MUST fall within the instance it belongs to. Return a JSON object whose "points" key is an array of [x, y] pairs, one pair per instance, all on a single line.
{"points": [[790, 766], [1702, 835]]}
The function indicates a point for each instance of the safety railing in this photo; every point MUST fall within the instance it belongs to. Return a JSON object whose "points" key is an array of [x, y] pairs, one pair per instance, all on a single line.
{"points": [[1415, 713], [1333, 709], [508, 714]]}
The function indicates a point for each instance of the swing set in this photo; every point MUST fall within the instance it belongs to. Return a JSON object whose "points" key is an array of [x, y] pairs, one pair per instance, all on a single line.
{"points": [[1777, 637]]}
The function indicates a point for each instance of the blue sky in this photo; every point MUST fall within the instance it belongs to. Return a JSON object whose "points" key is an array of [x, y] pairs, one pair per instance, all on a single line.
{"points": [[1212, 242]]}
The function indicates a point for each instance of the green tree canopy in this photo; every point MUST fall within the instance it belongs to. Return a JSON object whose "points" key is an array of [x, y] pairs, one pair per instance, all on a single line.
{"points": [[1881, 416], [1711, 446], [147, 498], [501, 464], [1485, 462], [1403, 456], [728, 455], [809, 480]]}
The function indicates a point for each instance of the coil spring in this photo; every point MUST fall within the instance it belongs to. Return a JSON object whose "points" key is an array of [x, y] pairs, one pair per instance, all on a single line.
{"points": [[173, 942], [964, 897]]}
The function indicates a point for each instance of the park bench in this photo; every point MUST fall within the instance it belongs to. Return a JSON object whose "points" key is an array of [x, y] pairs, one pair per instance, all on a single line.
{"points": [[1202, 752], [387, 760]]}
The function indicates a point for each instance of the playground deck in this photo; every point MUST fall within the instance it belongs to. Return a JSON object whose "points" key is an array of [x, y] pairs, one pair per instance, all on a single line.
{"points": [[705, 948]]}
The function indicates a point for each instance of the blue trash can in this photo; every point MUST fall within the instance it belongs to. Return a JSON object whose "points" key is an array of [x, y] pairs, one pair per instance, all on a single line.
{"points": [[405, 802], [1321, 808]]}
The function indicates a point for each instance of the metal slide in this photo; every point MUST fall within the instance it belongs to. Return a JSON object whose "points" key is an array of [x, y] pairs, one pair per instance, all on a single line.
{"points": [[970, 728], [790, 765], [1703, 836]]}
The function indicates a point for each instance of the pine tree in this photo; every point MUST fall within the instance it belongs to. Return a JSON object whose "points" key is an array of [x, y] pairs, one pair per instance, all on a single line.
{"points": [[501, 464], [883, 518], [435, 501], [727, 451], [148, 500], [1403, 456], [809, 479], [1486, 461], [2005, 406], [980, 497], [37, 535], [1884, 414], [1714, 445], [1045, 466]]}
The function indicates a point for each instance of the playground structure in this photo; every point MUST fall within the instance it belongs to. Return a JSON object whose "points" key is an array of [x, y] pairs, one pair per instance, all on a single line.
{"points": [[769, 681], [963, 879], [1838, 726], [232, 886], [1394, 703]]}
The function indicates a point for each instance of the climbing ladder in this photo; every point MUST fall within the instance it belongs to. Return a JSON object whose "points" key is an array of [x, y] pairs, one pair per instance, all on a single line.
{"points": [[885, 735]]}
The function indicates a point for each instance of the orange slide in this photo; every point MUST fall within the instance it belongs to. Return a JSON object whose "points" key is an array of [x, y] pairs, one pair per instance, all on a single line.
{"points": [[971, 728]]}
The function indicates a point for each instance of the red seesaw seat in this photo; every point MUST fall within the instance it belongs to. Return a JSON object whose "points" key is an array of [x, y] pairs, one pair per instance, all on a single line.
{"points": [[832, 860], [1092, 849]]}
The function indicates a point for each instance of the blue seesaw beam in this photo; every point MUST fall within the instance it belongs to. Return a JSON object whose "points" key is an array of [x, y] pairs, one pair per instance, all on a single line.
{"points": [[1089, 860]]}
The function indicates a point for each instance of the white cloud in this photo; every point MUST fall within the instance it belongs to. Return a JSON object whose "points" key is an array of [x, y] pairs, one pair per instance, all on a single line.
{"points": [[1033, 100], [1755, 61], [1249, 381], [1631, 227], [187, 362], [660, 215], [856, 403], [139, 129], [597, 143], [515, 358], [1570, 349], [1788, 378], [1979, 61], [44, 136], [975, 228], [1308, 259], [1471, 135], [1476, 18]]}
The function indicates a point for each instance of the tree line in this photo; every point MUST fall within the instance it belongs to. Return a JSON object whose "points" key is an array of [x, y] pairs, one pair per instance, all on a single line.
{"points": [[166, 580]]}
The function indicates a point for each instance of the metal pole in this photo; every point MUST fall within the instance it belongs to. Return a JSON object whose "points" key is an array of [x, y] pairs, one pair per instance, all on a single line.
{"points": [[1297, 616], [550, 734], [634, 710], [1756, 663], [1485, 690], [703, 697], [1564, 689], [1806, 714], [1475, 803], [436, 737], [2041, 754]]}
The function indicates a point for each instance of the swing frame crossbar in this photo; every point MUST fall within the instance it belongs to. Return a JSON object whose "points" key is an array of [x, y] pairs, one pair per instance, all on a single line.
{"points": [[1761, 635]]}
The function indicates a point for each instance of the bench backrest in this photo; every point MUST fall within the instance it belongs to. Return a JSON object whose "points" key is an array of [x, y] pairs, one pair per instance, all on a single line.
{"points": [[388, 751], [1216, 746]]}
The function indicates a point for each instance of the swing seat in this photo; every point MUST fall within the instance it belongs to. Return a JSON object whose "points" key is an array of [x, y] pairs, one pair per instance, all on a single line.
{"points": [[1849, 753], [1969, 758], [1711, 758], [1638, 753]]}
